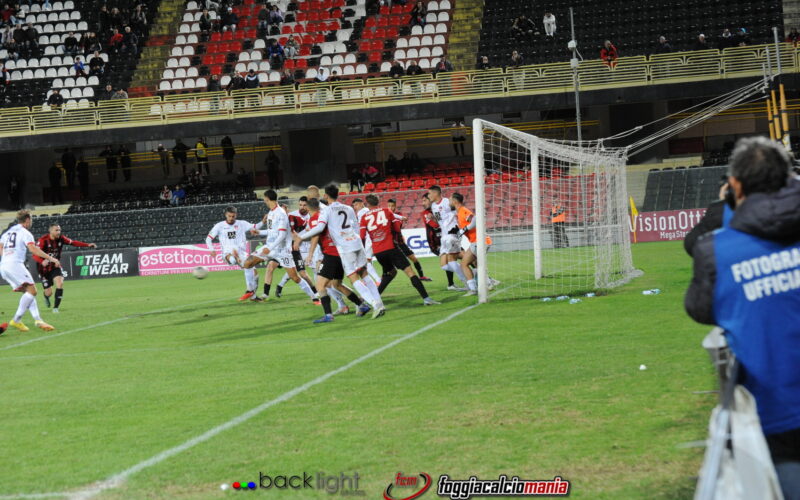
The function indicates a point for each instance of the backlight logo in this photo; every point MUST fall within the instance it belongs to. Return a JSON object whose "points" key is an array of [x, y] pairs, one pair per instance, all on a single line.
{"points": [[408, 487]]}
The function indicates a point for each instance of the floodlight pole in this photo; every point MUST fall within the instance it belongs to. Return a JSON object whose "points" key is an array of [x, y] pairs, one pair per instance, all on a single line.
{"points": [[573, 46]]}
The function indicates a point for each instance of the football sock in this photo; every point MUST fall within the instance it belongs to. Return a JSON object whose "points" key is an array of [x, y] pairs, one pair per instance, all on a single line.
{"points": [[59, 294], [419, 286], [24, 304], [372, 272], [373, 290], [385, 280], [355, 299], [266, 289], [326, 304], [418, 266], [449, 278], [337, 296], [306, 288], [472, 285], [34, 309], [47, 300], [283, 280], [457, 269]]}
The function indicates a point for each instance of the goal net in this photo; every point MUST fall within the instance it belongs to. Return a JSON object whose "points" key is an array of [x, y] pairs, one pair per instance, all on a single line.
{"points": [[556, 213]]}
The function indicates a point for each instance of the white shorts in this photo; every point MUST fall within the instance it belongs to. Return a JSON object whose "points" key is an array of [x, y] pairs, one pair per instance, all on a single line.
{"points": [[473, 247], [285, 259], [450, 244], [230, 256], [17, 276], [353, 261]]}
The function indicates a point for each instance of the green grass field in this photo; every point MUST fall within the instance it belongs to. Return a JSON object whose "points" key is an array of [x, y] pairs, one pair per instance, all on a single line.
{"points": [[142, 365]]}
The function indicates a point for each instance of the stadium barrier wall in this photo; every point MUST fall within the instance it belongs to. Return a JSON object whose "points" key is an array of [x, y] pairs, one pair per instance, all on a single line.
{"points": [[667, 225], [181, 259], [93, 264]]}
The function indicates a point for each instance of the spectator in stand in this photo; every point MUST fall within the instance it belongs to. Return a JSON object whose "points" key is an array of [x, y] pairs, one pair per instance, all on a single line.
{"points": [[125, 162], [70, 44], [609, 54], [236, 83], [106, 94], [251, 80], [273, 169], [357, 180], [201, 153], [742, 38], [178, 196], [413, 69], [79, 67], [117, 20], [396, 71], [119, 94], [701, 43], [91, 43], [56, 100], [103, 19], [115, 42], [5, 76], [130, 42], [523, 27], [392, 165], [418, 14], [55, 176], [179, 154], [443, 66], [228, 153], [275, 54], [7, 15], [196, 179], [139, 20], [334, 77], [163, 158], [663, 46], [68, 162], [483, 63], [292, 47], [83, 178], [229, 20], [263, 19], [516, 60], [459, 137], [206, 23], [96, 65], [165, 197], [287, 78], [726, 39], [275, 15], [111, 163], [243, 179], [31, 37], [213, 84], [793, 37], [549, 21], [370, 173], [322, 76], [14, 192]]}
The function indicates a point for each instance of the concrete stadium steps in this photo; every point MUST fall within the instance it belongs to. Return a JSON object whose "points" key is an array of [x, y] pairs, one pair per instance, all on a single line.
{"points": [[463, 46], [156, 52]]}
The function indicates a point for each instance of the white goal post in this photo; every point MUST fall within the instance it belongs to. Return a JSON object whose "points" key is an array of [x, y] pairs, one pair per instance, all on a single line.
{"points": [[556, 213]]}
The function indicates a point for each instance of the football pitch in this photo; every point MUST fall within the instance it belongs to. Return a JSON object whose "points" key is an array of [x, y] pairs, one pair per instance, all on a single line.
{"points": [[167, 387]]}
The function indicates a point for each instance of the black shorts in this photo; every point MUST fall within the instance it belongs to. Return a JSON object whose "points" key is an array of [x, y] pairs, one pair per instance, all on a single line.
{"points": [[49, 276], [331, 267], [298, 261], [401, 245], [392, 259]]}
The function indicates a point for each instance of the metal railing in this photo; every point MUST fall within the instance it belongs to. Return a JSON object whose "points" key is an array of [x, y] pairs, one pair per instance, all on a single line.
{"points": [[735, 62]]}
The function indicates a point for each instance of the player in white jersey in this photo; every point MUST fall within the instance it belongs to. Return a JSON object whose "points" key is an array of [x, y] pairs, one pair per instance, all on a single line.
{"points": [[340, 221], [14, 246], [445, 215], [361, 210], [298, 219], [232, 236], [277, 249]]}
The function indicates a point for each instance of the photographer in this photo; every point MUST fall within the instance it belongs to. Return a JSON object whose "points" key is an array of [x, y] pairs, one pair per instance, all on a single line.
{"points": [[747, 281]]}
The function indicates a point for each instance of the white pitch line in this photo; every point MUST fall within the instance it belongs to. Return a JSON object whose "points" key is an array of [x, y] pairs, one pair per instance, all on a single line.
{"points": [[21, 496], [118, 479], [104, 323]]}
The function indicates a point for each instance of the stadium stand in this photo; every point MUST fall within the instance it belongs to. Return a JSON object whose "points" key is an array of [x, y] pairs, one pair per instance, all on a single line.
{"points": [[142, 198], [337, 35], [634, 27], [38, 68], [681, 187]]}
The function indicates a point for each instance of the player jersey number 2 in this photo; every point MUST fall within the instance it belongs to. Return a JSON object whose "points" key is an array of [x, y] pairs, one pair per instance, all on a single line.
{"points": [[372, 223], [345, 225]]}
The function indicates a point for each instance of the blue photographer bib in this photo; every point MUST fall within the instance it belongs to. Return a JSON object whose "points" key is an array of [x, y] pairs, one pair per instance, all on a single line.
{"points": [[757, 301]]}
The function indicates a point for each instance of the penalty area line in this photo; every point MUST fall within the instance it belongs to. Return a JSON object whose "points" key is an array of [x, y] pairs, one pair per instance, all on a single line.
{"points": [[104, 323]]}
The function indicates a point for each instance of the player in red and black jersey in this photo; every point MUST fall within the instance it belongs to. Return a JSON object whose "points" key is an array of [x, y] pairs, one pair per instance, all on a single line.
{"points": [[382, 226], [52, 244], [400, 242]]}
